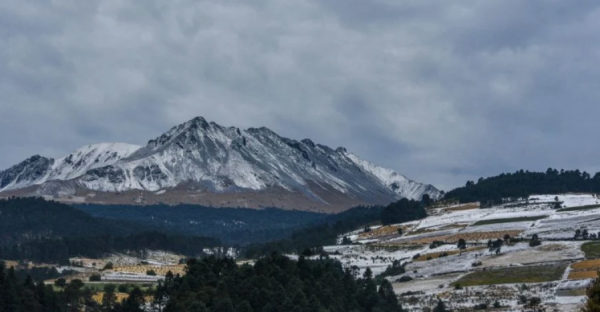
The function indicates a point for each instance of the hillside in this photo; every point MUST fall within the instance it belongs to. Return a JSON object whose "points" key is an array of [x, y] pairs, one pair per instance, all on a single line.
{"points": [[522, 184], [27, 219], [542, 247], [45, 231], [199, 162], [233, 226]]}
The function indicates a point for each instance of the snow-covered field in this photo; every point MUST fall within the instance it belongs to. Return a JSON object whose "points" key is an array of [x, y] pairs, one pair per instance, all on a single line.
{"points": [[434, 278]]}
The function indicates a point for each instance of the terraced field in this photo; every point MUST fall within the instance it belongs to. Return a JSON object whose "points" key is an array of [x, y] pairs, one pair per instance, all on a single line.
{"points": [[577, 275], [591, 250], [585, 269], [509, 220], [383, 231], [541, 269], [142, 269], [469, 237], [434, 255], [469, 206], [514, 275]]}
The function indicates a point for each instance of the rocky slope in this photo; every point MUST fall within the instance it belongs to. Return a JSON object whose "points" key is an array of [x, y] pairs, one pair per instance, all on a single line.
{"points": [[202, 162]]}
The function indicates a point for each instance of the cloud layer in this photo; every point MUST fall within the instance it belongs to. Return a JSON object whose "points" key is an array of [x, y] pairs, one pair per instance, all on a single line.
{"points": [[440, 91]]}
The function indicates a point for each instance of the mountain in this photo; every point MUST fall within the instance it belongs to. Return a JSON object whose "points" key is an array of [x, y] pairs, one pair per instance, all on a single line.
{"points": [[205, 163]]}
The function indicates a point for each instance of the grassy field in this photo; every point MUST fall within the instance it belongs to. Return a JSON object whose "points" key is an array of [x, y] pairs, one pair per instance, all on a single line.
{"points": [[571, 292], [577, 275], [382, 231], [99, 286], [512, 275], [420, 231], [591, 250], [587, 265], [584, 269], [469, 206], [434, 255], [509, 220], [588, 207]]}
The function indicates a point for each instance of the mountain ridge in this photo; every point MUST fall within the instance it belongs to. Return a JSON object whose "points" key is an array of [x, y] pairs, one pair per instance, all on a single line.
{"points": [[206, 159]]}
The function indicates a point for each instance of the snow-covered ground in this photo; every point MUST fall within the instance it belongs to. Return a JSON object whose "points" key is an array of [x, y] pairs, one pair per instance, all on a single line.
{"points": [[433, 278]]}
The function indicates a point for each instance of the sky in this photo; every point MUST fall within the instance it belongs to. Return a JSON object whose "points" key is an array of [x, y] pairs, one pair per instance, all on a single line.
{"points": [[440, 91]]}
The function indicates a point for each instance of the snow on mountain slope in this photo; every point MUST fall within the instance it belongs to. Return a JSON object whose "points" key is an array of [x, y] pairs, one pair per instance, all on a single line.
{"points": [[89, 157], [397, 182], [220, 159], [37, 170]]}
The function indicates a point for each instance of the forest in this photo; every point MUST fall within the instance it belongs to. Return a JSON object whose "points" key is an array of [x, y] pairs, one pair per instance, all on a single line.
{"points": [[59, 250], [493, 190], [233, 226], [274, 283], [308, 240], [45, 231]]}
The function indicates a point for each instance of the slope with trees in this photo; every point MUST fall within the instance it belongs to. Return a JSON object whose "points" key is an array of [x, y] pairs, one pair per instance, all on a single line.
{"points": [[522, 184]]}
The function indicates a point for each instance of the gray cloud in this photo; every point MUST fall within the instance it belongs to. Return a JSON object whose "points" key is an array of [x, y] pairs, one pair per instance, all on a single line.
{"points": [[440, 91]]}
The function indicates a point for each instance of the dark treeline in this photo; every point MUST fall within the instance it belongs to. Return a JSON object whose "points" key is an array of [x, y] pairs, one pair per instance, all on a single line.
{"points": [[404, 210], [233, 226], [27, 219], [521, 184], [30, 295], [274, 283], [59, 250], [318, 235], [327, 233]]}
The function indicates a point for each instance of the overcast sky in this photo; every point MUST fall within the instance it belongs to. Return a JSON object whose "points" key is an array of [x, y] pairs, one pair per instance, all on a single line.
{"points": [[441, 91]]}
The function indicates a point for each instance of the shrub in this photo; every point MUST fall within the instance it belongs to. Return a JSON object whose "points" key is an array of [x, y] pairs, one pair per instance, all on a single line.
{"points": [[108, 266], [435, 244], [404, 279], [151, 272], [123, 288], [95, 278]]}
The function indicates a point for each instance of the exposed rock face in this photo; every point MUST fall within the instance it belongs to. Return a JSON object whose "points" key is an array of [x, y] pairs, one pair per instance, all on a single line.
{"points": [[215, 159]]}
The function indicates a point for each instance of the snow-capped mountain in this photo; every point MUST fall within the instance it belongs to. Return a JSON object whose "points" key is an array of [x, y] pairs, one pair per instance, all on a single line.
{"points": [[207, 158]]}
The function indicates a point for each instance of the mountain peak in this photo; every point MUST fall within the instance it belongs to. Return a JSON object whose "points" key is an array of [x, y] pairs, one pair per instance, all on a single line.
{"points": [[198, 122], [213, 163]]}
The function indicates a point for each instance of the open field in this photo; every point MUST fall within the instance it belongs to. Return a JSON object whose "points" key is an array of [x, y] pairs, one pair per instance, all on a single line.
{"points": [[382, 231], [159, 270], [591, 250], [420, 231], [509, 220], [469, 206], [453, 238], [434, 255], [585, 269], [576, 275], [587, 265], [572, 292], [514, 275]]}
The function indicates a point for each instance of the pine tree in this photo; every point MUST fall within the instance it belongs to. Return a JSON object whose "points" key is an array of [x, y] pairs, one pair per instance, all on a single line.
{"points": [[593, 293], [440, 307]]}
